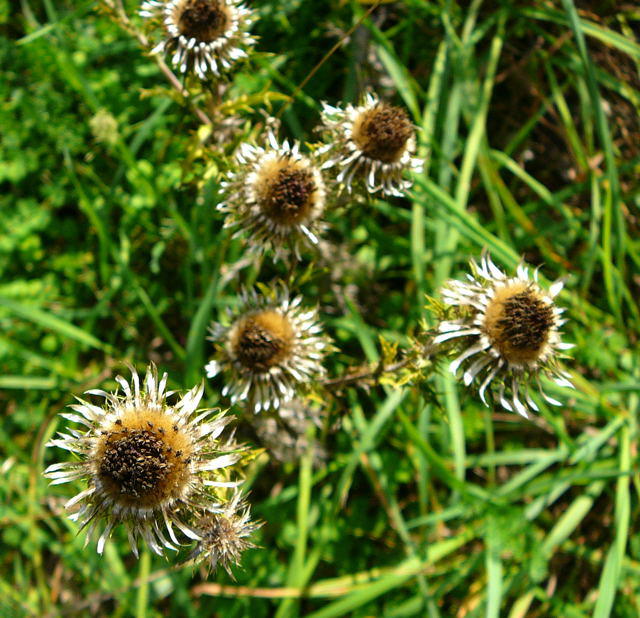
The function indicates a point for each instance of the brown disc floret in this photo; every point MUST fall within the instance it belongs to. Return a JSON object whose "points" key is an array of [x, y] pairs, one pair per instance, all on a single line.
{"points": [[289, 195], [382, 132], [203, 20], [262, 341], [518, 323], [143, 462]]}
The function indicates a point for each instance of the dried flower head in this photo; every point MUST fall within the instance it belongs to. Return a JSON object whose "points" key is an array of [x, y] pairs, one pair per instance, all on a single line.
{"points": [[270, 347], [206, 36], [144, 461], [373, 142], [276, 196], [512, 325], [224, 535], [285, 432]]}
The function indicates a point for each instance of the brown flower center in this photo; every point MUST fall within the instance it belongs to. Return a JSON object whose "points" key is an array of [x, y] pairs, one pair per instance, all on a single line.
{"points": [[140, 467], [518, 323], [381, 133], [203, 20], [263, 341], [289, 195]]}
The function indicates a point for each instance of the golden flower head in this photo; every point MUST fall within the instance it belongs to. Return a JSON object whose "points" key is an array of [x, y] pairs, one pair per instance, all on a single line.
{"points": [[146, 462], [373, 142], [270, 347], [276, 196], [205, 36], [511, 326], [224, 535]]}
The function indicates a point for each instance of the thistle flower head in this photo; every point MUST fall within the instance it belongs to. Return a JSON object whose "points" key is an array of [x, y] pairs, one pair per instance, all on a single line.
{"points": [[285, 432], [382, 132], [269, 348], [373, 142], [276, 196], [224, 535], [511, 326], [145, 462], [206, 36]]}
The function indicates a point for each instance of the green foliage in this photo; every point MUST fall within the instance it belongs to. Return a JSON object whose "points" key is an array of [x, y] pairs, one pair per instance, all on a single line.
{"points": [[427, 504]]}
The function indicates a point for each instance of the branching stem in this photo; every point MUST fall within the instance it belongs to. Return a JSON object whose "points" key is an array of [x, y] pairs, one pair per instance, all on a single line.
{"points": [[119, 15]]}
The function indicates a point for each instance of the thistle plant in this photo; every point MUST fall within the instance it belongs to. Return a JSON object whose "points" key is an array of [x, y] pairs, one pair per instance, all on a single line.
{"points": [[276, 197], [270, 347], [507, 331], [279, 245], [372, 143], [203, 36], [224, 534], [147, 464], [151, 465]]}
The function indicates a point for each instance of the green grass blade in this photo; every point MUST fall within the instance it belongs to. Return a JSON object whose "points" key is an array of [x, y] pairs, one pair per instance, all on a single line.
{"points": [[48, 321]]}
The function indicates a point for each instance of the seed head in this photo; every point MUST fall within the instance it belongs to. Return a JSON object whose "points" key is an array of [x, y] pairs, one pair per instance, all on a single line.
{"points": [[288, 195], [371, 144], [224, 535], [271, 347], [512, 328], [275, 198], [146, 462], [203, 36]]}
